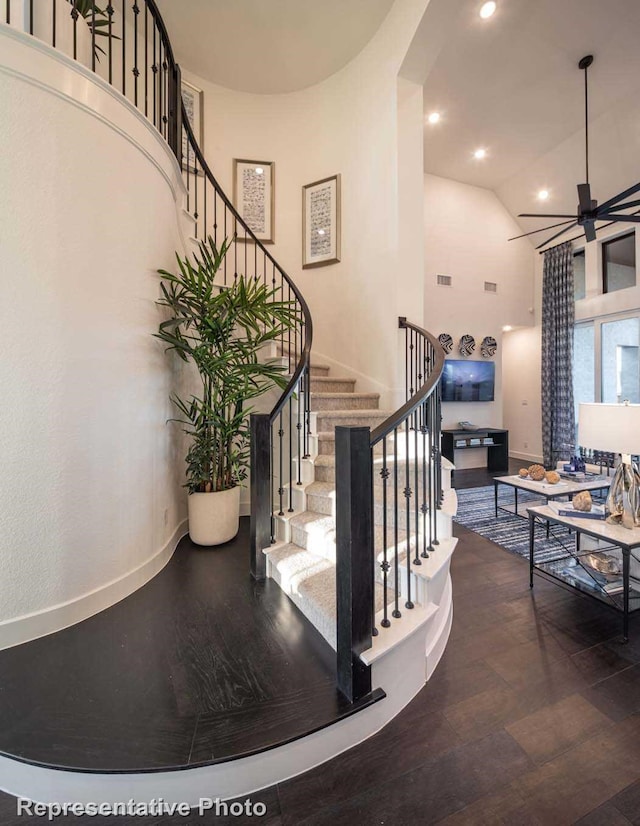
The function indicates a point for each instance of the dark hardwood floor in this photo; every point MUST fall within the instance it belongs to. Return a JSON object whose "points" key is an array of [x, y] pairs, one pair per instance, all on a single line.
{"points": [[201, 664], [478, 477], [531, 719]]}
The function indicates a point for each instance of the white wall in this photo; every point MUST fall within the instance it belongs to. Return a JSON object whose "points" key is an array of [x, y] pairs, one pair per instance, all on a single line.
{"points": [[90, 498], [348, 124], [466, 232]]}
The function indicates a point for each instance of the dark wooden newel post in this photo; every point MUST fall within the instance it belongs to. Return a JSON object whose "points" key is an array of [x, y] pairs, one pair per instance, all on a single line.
{"points": [[261, 505], [354, 560]]}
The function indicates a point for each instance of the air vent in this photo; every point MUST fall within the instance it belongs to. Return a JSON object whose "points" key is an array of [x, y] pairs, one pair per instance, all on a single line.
{"points": [[444, 280], [490, 287]]}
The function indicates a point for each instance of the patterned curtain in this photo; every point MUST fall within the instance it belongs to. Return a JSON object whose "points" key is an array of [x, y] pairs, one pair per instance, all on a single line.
{"points": [[558, 314]]}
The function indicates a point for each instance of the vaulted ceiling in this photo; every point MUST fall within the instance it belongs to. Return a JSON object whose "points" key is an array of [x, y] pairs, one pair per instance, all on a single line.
{"points": [[510, 85]]}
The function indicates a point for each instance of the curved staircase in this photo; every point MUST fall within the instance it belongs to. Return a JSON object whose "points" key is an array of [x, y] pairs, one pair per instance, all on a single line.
{"points": [[303, 558]]}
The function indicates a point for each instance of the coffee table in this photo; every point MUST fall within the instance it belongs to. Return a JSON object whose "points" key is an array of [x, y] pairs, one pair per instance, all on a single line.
{"points": [[546, 491]]}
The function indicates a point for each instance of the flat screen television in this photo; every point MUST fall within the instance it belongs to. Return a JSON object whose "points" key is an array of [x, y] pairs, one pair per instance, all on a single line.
{"points": [[468, 381]]}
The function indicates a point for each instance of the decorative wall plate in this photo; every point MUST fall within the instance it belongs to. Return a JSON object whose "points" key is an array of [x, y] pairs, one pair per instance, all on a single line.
{"points": [[467, 345], [446, 342], [488, 347]]}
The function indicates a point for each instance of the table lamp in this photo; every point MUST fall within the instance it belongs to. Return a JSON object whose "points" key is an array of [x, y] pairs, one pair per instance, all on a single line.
{"points": [[615, 428]]}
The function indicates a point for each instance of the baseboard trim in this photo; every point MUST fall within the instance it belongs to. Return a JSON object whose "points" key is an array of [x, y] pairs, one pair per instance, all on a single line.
{"points": [[57, 617], [526, 457]]}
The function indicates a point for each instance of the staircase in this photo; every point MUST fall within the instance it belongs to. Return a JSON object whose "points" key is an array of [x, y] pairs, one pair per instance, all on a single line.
{"points": [[303, 559]]}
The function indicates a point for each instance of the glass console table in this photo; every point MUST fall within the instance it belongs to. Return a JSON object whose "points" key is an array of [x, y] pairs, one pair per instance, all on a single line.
{"points": [[610, 574]]}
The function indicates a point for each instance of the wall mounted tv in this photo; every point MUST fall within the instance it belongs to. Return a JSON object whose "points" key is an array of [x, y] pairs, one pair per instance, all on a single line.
{"points": [[468, 381]]}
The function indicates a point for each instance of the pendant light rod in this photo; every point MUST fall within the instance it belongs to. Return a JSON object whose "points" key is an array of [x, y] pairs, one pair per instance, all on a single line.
{"points": [[584, 65]]}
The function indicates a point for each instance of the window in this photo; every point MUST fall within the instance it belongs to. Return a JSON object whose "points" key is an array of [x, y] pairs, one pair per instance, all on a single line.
{"points": [[619, 263], [620, 361], [579, 283]]}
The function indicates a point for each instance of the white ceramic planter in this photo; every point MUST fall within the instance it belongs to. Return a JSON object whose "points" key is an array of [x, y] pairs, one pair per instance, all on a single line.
{"points": [[214, 518]]}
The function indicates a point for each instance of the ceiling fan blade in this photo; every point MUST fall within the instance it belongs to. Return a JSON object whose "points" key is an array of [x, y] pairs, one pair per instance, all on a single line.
{"points": [[590, 231], [544, 215], [621, 197], [628, 205], [557, 235], [584, 197], [544, 229], [623, 219]]}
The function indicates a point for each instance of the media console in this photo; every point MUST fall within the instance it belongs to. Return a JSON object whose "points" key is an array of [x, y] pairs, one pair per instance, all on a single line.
{"points": [[495, 440]]}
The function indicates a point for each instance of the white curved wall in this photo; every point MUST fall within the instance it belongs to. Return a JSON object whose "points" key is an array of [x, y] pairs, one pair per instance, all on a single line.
{"points": [[90, 497]]}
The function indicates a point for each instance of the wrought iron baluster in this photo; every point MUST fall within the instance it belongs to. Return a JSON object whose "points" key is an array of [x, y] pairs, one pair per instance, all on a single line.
{"points": [[93, 37], [291, 454], [30, 16], [396, 516], [281, 475], [124, 48], [407, 496], [136, 71], [425, 480], [195, 191], [272, 486], [53, 24], [8, 13], [154, 70], [74, 15], [384, 473], [416, 560], [146, 64], [299, 427]]}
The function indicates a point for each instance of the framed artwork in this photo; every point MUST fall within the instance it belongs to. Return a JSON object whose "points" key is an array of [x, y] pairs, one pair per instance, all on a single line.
{"points": [[321, 223], [254, 190], [193, 103]]}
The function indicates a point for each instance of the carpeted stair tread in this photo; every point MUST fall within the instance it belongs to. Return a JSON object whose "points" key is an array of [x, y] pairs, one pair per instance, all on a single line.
{"points": [[291, 565], [343, 401]]}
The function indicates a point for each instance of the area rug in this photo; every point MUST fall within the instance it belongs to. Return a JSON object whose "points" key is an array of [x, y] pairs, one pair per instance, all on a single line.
{"points": [[476, 512]]}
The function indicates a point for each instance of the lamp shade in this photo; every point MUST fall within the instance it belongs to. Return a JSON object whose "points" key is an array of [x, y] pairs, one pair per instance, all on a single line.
{"points": [[612, 428]]}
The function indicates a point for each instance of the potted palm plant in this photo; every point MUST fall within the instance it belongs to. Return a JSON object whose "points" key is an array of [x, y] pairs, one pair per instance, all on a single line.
{"points": [[220, 330]]}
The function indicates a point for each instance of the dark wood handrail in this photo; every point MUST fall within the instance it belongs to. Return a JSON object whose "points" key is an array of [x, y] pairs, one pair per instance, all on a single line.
{"points": [[402, 414]]}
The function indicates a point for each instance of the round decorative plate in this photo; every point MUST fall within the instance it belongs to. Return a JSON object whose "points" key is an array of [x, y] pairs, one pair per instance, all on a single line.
{"points": [[467, 345], [488, 347], [446, 342]]}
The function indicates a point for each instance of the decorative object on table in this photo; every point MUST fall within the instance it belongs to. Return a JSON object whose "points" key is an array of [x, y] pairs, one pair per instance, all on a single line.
{"points": [[552, 477], [254, 188], [582, 501], [589, 212], [576, 465], [446, 342], [523, 473], [537, 473], [321, 220], [488, 347], [569, 509], [467, 345], [616, 428], [193, 98], [220, 330]]}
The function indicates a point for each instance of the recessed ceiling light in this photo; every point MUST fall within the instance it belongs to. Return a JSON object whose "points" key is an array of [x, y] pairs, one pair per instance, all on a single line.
{"points": [[507, 328], [480, 154], [543, 195], [320, 232], [259, 170], [487, 10], [434, 117]]}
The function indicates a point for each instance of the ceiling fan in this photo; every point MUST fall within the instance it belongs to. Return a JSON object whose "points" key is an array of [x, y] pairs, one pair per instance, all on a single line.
{"points": [[589, 212]]}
